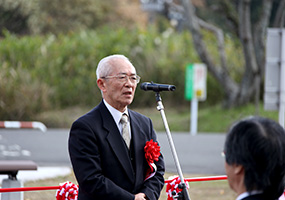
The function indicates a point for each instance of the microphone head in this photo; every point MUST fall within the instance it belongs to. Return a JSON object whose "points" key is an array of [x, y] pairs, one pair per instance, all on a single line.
{"points": [[144, 85], [147, 86], [172, 88]]}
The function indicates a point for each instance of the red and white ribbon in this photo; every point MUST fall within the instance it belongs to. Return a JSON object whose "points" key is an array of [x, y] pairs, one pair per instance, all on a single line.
{"points": [[21, 124], [172, 188], [152, 153], [151, 172], [67, 191]]}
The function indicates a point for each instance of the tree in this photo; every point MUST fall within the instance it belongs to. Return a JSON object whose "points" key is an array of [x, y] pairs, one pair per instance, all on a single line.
{"points": [[14, 15], [248, 21], [53, 16]]}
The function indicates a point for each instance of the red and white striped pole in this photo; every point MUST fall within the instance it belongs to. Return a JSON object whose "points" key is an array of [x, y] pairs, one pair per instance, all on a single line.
{"points": [[21, 124]]}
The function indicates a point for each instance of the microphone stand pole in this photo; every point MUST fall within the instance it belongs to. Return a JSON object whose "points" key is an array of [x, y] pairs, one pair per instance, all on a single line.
{"points": [[184, 195]]}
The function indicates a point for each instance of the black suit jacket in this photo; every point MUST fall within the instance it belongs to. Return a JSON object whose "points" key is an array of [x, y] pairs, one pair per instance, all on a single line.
{"points": [[102, 163], [258, 197]]}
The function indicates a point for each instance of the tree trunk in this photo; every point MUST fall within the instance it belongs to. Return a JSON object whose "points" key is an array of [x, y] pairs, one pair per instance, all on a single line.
{"points": [[252, 40], [251, 68], [219, 72], [280, 14], [253, 48]]}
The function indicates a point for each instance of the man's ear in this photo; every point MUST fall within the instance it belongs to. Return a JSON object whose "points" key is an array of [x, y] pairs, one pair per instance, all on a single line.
{"points": [[101, 84], [238, 169]]}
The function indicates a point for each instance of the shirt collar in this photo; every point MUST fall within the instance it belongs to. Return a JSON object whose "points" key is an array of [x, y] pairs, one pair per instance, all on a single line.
{"points": [[115, 113], [246, 194]]}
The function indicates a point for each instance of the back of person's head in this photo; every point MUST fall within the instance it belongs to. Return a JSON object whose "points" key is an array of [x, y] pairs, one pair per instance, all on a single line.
{"points": [[258, 144]]}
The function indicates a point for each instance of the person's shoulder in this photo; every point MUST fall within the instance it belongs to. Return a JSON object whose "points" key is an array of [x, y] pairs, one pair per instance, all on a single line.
{"points": [[138, 116], [257, 197], [91, 114]]}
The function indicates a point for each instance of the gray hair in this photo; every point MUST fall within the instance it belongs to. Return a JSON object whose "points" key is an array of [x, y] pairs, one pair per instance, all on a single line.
{"points": [[105, 65]]}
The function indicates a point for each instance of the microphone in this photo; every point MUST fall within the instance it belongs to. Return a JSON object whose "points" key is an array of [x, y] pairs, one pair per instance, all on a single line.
{"points": [[157, 87]]}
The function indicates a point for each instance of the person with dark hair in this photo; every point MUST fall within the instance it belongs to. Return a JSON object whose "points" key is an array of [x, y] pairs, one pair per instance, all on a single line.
{"points": [[255, 159], [107, 145]]}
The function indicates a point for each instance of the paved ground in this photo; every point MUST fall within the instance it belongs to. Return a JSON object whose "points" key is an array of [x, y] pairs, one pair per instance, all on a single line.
{"points": [[200, 154]]}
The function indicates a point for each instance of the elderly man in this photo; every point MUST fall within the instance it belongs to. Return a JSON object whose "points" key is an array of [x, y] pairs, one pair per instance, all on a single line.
{"points": [[255, 159], [106, 145]]}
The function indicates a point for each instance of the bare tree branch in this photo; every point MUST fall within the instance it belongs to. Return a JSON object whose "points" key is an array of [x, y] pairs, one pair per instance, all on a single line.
{"points": [[251, 67], [259, 44], [220, 38], [245, 33], [230, 14], [230, 87], [260, 33], [279, 15], [193, 25], [252, 40]]}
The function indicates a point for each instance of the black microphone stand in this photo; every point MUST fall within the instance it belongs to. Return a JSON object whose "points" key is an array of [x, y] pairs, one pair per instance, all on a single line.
{"points": [[184, 194]]}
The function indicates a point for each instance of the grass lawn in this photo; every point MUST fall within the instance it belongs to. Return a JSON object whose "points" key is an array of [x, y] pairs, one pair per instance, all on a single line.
{"points": [[210, 119]]}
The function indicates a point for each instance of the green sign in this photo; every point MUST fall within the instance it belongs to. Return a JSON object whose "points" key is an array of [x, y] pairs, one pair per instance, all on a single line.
{"points": [[196, 82], [189, 82]]}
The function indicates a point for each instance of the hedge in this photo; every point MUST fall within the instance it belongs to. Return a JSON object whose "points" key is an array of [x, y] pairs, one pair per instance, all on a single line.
{"points": [[44, 72]]}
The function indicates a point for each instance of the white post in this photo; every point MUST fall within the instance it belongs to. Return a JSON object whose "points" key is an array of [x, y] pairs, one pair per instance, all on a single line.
{"points": [[194, 116], [282, 79], [9, 183]]}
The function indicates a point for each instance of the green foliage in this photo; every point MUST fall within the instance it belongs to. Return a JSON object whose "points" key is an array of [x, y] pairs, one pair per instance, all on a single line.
{"points": [[21, 96], [217, 119], [53, 16], [39, 73], [162, 58]]}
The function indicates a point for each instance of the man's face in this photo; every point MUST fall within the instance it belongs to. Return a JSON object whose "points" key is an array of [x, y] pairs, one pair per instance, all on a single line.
{"points": [[119, 93]]}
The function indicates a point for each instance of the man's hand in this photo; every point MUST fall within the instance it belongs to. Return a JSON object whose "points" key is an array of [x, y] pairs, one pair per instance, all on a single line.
{"points": [[140, 196]]}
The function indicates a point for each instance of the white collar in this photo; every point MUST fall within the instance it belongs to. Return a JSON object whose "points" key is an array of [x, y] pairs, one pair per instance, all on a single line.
{"points": [[116, 114], [246, 194]]}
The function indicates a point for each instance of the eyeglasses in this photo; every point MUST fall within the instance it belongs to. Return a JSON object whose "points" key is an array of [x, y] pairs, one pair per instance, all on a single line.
{"points": [[124, 78]]}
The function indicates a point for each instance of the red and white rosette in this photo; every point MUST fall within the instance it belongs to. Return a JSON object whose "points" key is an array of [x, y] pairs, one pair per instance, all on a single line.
{"points": [[152, 153], [172, 188], [67, 191]]}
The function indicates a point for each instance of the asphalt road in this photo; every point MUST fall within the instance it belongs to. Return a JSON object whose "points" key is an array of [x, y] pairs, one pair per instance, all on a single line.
{"points": [[200, 154]]}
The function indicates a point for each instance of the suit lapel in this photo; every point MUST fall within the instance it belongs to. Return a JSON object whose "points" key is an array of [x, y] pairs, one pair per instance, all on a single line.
{"points": [[114, 138], [139, 142]]}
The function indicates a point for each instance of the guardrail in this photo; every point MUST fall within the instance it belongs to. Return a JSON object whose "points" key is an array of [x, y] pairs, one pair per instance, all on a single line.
{"points": [[23, 124]]}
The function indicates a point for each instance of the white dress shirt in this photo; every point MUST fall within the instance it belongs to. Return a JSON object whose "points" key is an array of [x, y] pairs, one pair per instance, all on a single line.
{"points": [[117, 115]]}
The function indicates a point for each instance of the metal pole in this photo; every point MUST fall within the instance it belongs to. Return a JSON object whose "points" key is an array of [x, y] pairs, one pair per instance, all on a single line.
{"points": [[282, 79], [194, 116], [170, 140]]}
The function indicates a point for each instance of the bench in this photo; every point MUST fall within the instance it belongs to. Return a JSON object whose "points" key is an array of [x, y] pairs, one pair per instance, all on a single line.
{"points": [[11, 168]]}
